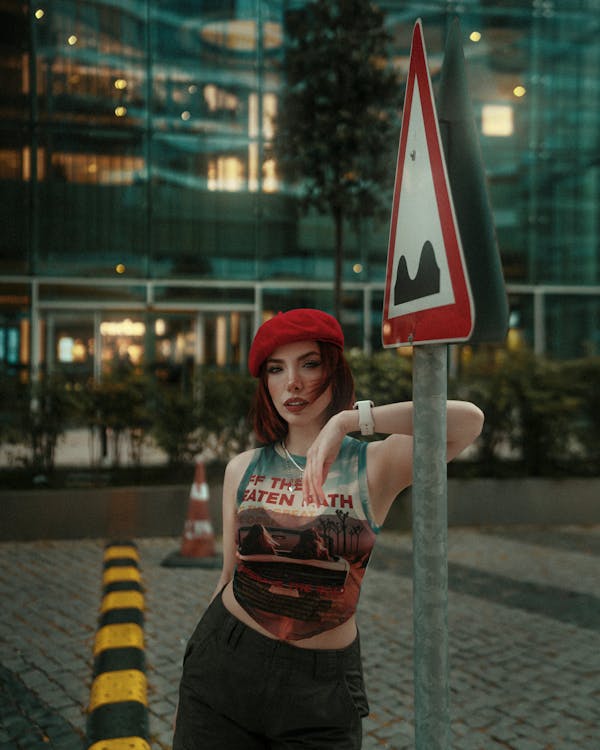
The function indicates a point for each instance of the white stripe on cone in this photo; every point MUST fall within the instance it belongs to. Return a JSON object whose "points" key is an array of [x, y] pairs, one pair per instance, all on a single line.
{"points": [[199, 491], [198, 536]]}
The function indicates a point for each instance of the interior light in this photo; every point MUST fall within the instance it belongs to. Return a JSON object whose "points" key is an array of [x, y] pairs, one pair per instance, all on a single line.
{"points": [[136, 353], [221, 340], [475, 36], [79, 351], [270, 181], [120, 83], [125, 327], [120, 111], [241, 35], [497, 120], [72, 40], [160, 327], [120, 268], [519, 91], [185, 115], [39, 14], [192, 88], [65, 349], [357, 268]]}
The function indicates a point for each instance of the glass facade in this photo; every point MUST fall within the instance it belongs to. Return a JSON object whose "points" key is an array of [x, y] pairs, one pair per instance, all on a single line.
{"points": [[141, 208]]}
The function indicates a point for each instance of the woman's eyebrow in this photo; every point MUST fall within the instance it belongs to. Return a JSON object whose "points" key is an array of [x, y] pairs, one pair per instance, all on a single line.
{"points": [[312, 353]]}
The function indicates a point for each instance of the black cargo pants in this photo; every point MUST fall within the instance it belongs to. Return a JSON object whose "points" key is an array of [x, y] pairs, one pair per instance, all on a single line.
{"points": [[243, 691]]}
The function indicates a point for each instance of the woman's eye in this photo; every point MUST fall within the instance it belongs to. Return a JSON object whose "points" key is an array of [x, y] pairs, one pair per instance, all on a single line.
{"points": [[312, 363], [272, 369]]}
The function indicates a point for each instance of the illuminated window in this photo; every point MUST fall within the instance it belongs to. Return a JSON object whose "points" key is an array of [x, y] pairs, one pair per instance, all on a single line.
{"points": [[270, 181], [240, 35], [268, 116], [221, 341], [218, 99], [253, 167], [225, 173], [497, 120], [125, 327], [96, 168], [65, 349]]}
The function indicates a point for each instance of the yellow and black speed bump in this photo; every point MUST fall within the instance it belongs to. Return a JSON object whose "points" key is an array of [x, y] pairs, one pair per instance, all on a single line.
{"points": [[118, 709]]}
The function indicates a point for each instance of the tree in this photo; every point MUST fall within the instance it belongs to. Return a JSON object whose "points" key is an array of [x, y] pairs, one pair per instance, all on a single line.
{"points": [[45, 407], [339, 113]]}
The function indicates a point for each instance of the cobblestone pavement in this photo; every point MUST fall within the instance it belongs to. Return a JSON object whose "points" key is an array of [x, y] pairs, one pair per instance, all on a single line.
{"points": [[524, 623]]}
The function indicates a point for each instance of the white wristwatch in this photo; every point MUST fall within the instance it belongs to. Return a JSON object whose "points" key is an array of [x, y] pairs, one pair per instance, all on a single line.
{"points": [[365, 417]]}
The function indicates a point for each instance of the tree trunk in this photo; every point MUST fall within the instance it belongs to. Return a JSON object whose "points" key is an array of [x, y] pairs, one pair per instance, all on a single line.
{"points": [[339, 257]]}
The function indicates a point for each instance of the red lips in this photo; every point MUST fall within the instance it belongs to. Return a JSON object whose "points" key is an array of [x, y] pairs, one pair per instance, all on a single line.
{"points": [[295, 404]]}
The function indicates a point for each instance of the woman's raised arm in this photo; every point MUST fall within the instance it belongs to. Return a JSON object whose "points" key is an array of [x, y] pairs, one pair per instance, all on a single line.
{"points": [[389, 460]]}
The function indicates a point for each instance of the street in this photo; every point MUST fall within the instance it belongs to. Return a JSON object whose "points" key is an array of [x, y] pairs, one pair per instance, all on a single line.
{"points": [[524, 635]]}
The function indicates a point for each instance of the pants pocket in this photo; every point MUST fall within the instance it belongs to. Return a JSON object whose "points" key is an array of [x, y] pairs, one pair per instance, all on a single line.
{"points": [[202, 633], [355, 685]]}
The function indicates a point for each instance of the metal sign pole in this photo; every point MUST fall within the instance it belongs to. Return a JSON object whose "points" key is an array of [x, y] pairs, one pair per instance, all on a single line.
{"points": [[430, 549]]}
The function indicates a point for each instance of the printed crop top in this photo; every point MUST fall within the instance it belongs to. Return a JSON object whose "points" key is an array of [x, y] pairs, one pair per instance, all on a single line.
{"points": [[300, 564]]}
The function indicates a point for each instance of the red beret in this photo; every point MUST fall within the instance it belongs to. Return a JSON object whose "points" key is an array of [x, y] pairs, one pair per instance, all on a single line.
{"points": [[303, 324]]}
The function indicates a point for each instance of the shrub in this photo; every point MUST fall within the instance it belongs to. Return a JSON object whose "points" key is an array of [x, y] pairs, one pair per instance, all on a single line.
{"points": [[530, 405], [39, 415], [383, 377], [117, 406]]}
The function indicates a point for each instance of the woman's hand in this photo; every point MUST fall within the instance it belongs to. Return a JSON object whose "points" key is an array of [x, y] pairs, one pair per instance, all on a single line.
{"points": [[321, 455]]}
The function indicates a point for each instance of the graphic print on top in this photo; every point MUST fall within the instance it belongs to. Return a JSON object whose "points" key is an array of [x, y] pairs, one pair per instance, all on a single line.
{"points": [[300, 562]]}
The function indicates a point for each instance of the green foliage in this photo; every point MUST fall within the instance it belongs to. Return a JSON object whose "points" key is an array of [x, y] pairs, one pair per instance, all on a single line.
{"points": [[212, 419], [225, 403], [175, 418], [117, 406], [39, 414], [488, 385], [338, 122], [10, 426], [542, 416], [583, 377], [530, 405], [339, 112], [384, 377]]}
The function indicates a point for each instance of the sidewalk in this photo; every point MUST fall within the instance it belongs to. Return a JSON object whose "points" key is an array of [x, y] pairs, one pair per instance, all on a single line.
{"points": [[524, 621]]}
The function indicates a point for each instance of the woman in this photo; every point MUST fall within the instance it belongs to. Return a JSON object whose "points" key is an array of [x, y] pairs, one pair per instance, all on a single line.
{"points": [[275, 660]]}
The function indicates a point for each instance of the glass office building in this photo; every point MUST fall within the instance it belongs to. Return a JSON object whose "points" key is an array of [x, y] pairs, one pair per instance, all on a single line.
{"points": [[142, 214]]}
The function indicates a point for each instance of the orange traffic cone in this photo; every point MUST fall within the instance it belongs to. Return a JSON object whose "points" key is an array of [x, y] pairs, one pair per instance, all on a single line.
{"points": [[198, 536], [198, 542]]}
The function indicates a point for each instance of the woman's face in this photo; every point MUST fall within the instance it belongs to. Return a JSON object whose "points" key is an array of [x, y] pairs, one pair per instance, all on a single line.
{"points": [[295, 373]]}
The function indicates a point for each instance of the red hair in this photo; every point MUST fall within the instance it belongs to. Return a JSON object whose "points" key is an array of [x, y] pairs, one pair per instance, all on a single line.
{"points": [[270, 427]]}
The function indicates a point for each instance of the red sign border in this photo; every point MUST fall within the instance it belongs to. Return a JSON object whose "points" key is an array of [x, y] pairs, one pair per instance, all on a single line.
{"points": [[452, 322]]}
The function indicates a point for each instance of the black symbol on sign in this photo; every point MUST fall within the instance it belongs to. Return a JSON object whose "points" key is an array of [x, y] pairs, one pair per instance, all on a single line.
{"points": [[426, 282]]}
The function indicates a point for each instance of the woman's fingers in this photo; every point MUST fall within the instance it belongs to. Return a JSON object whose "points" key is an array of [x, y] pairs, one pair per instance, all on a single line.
{"points": [[318, 462]]}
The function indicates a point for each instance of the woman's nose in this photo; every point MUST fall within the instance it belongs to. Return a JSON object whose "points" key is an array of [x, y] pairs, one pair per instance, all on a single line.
{"points": [[294, 382]]}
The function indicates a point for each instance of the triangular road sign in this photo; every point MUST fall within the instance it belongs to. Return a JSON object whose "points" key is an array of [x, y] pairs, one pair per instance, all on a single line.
{"points": [[427, 294]]}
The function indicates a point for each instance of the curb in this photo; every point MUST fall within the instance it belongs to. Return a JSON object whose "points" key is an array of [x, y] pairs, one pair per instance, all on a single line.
{"points": [[118, 706]]}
